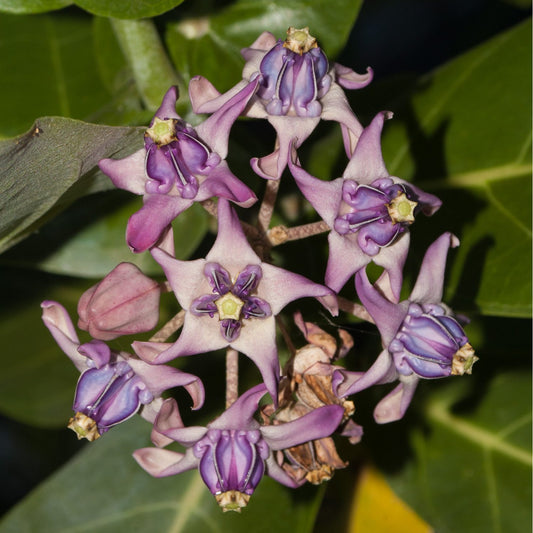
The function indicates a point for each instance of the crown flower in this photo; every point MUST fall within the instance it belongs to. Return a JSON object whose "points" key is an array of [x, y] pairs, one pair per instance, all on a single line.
{"points": [[179, 165], [113, 386], [231, 299], [234, 451], [423, 338], [297, 88], [369, 212]]}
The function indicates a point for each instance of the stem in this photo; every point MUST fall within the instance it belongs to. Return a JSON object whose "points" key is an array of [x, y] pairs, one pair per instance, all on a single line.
{"points": [[267, 205], [232, 376], [144, 51], [280, 234], [169, 328]]}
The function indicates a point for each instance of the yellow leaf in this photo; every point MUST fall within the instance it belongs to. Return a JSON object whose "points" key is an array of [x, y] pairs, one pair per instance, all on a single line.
{"points": [[376, 509]]}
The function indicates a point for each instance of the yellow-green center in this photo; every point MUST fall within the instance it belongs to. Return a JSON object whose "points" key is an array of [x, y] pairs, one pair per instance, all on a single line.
{"points": [[401, 209], [299, 40], [229, 306], [162, 131]]}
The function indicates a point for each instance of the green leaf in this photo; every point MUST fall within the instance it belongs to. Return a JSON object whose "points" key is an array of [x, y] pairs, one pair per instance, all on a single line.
{"points": [[472, 470], [128, 9], [50, 166], [465, 134], [88, 239], [200, 44], [32, 6], [104, 490], [48, 68]]}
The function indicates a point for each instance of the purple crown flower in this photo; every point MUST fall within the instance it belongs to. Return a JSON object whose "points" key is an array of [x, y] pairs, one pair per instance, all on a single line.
{"points": [[234, 451], [113, 386], [297, 89], [179, 165], [422, 337], [231, 298], [368, 211]]}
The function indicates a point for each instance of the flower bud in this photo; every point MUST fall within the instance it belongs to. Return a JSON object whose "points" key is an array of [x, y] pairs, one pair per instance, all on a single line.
{"points": [[125, 302]]}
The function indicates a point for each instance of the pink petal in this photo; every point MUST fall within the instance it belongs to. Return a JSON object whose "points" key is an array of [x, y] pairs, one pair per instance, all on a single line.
{"points": [[127, 173], [350, 79], [161, 463], [394, 405], [167, 109]]}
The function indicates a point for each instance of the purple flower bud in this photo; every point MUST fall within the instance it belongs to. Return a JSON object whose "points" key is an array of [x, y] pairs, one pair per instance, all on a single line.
{"points": [[431, 343], [125, 302], [378, 212], [294, 76], [232, 463]]}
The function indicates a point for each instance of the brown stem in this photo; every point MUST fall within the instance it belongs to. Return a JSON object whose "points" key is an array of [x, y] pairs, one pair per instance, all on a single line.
{"points": [[280, 234], [169, 328], [232, 376], [267, 205]]}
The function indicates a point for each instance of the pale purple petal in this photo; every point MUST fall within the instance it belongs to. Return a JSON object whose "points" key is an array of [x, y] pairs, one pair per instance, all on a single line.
{"points": [[429, 284], [263, 43], [346, 383], [146, 226], [349, 79], [277, 473], [240, 413], [222, 183], [387, 315], [148, 351], [231, 237], [206, 99], [367, 164], [280, 287], [167, 109], [127, 173], [344, 260], [215, 130], [58, 322], [159, 378], [97, 351], [162, 463], [394, 405], [324, 196], [317, 424]]}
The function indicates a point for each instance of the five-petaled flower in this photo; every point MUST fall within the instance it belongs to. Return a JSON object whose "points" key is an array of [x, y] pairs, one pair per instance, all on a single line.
{"points": [[234, 451], [113, 386], [179, 165], [231, 298], [422, 337], [297, 89], [368, 212]]}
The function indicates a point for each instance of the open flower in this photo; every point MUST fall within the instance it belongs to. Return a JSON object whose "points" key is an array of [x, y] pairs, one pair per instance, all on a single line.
{"points": [[369, 212], [297, 89], [231, 298], [234, 451], [179, 165], [113, 386], [422, 337]]}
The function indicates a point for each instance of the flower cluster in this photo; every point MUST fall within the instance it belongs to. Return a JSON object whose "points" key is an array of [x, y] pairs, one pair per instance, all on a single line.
{"points": [[232, 298]]}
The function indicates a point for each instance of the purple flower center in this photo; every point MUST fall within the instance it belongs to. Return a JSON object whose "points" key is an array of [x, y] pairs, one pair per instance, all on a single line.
{"points": [[378, 213], [233, 302], [431, 343], [110, 394], [231, 461], [175, 156], [294, 76]]}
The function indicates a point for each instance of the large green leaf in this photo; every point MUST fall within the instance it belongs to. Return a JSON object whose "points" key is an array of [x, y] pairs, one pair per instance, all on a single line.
{"points": [[128, 9], [32, 6], [472, 465], [201, 43], [465, 134], [48, 68], [50, 166], [104, 490]]}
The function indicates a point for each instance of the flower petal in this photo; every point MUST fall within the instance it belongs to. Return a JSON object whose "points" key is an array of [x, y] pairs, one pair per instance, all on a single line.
{"points": [[319, 423], [161, 463], [167, 109], [127, 173], [58, 322], [276, 472], [394, 405], [429, 284]]}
